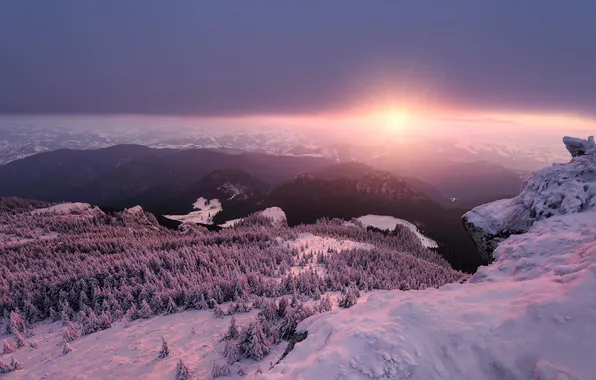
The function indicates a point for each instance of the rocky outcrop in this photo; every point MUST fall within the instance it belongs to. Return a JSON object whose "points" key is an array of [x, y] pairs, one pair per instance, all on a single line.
{"points": [[556, 190], [578, 147]]}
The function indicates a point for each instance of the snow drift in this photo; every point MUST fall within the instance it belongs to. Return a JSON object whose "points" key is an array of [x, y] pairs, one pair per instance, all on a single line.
{"points": [[531, 314]]}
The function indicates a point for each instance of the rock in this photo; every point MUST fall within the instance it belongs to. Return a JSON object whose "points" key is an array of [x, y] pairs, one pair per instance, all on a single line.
{"points": [[578, 147], [556, 190]]}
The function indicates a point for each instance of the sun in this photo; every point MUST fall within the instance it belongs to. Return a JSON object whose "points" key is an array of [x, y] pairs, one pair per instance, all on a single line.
{"points": [[396, 119]]}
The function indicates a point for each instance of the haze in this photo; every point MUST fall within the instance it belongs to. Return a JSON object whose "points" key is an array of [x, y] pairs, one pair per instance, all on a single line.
{"points": [[354, 69]]}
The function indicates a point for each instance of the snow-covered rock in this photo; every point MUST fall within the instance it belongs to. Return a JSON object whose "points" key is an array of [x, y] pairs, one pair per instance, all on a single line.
{"points": [[578, 147], [65, 208], [556, 190], [531, 314]]}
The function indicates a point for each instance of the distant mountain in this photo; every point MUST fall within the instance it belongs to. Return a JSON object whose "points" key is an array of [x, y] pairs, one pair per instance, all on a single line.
{"points": [[121, 175]]}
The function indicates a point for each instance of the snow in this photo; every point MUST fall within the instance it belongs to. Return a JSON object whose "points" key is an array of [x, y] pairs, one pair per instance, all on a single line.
{"points": [[130, 350], [275, 213], [307, 243], [64, 208], [531, 314], [206, 210], [385, 222]]}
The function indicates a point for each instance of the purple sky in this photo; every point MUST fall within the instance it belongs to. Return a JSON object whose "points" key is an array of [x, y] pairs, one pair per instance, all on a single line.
{"points": [[276, 57]]}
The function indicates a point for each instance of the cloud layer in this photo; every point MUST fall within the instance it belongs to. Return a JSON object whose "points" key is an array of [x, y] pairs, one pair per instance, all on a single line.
{"points": [[220, 58]]}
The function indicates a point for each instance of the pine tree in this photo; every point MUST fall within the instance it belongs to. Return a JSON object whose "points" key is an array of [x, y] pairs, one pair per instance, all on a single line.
{"points": [[219, 370], [325, 304], [165, 350], [5, 368], [8, 347], [252, 342], [70, 332], [218, 312], [231, 352], [182, 371], [66, 348], [232, 330], [21, 342], [17, 324], [15, 365], [145, 310], [171, 307]]}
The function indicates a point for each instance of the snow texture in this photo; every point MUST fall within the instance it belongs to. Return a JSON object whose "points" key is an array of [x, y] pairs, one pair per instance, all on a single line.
{"points": [[384, 222], [206, 210], [531, 314]]}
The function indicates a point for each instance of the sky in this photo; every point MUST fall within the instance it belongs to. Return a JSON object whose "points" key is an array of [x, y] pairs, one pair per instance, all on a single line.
{"points": [[397, 62]]}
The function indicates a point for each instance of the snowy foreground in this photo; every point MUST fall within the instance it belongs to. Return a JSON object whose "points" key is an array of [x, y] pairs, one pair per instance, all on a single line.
{"points": [[529, 315]]}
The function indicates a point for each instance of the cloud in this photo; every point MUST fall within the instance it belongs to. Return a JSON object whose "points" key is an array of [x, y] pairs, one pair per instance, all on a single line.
{"points": [[220, 58]]}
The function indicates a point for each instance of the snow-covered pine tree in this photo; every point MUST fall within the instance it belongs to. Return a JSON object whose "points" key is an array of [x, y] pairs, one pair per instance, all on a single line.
{"points": [[15, 365], [182, 371], [145, 310], [21, 342], [8, 347], [165, 350], [5, 368], [171, 307], [219, 370], [218, 312], [325, 304], [231, 352], [232, 330], [66, 348], [252, 342], [70, 332]]}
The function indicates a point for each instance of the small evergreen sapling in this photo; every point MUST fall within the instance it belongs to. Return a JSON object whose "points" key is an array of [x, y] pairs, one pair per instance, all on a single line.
{"points": [[182, 371], [165, 350], [232, 330], [8, 347]]}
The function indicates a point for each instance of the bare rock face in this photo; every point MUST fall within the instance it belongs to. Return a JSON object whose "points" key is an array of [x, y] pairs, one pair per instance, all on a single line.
{"points": [[578, 147], [556, 190]]}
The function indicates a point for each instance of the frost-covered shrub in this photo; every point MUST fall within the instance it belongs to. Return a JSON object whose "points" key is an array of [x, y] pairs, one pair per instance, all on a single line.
{"points": [[218, 312], [66, 348]]}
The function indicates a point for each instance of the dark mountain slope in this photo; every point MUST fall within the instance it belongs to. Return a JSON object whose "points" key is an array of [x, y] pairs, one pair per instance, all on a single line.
{"points": [[306, 199]]}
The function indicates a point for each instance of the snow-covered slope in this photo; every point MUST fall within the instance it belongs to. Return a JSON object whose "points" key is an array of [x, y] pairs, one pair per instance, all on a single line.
{"points": [[206, 210], [385, 222], [529, 315]]}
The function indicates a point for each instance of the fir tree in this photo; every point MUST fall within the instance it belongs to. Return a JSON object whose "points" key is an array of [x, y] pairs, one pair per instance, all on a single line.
{"points": [[66, 348], [145, 310], [21, 342], [171, 307], [219, 370], [165, 350], [218, 312], [182, 371], [8, 347], [232, 330], [252, 342], [15, 365], [231, 352]]}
